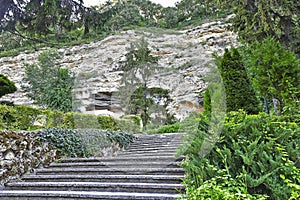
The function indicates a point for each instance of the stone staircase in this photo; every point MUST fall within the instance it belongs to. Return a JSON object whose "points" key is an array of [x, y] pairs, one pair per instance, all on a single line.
{"points": [[147, 169]]}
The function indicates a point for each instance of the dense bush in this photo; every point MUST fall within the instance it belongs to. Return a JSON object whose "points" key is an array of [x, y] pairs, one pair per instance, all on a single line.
{"points": [[169, 128], [275, 74], [83, 142], [256, 155], [6, 86], [28, 118], [65, 141]]}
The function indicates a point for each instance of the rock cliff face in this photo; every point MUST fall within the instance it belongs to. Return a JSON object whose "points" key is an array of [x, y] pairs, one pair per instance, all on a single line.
{"points": [[185, 57]]}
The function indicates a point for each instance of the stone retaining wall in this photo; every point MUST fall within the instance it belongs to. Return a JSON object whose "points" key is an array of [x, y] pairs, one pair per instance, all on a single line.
{"points": [[20, 153]]}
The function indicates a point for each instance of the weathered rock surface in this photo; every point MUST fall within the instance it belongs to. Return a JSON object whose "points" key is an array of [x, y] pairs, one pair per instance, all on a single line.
{"points": [[184, 59], [21, 152]]}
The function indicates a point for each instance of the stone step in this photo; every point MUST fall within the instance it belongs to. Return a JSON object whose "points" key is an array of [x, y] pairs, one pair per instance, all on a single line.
{"points": [[150, 153], [157, 141], [175, 179], [164, 144], [121, 158], [146, 154], [97, 186], [147, 169], [115, 163], [82, 195], [155, 149], [109, 170]]}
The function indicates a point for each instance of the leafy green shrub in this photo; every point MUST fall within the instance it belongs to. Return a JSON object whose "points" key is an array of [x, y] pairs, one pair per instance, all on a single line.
{"points": [[130, 124], [170, 128], [54, 118], [275, 74], [73, 120], [26, 117], [66, 141], [107, 122], [83, 142], [20, 117], [122, 138], [260, 151], [222, 188], [6, 85], [7, 117]]}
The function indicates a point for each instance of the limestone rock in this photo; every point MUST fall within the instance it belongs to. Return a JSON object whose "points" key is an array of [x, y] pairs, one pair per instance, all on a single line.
{"points": [[185, 57]]}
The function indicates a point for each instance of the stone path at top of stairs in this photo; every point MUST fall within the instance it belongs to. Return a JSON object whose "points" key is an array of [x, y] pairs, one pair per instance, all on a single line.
{"points": [[147, 169]]}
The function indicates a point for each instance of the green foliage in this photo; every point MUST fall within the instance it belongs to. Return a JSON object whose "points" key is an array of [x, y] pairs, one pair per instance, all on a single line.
{"points": [[73, 120], [207, 102], [6, 86], [139, 67], [190, 12], [107, 122], [83, 142], [28, 118], [130, 124], [8, 117], [239, 91], [275, 73], [48, 84], [65, 141], [34, 24], [222, 187], [169, 128], [259, 152], [257, 19]]}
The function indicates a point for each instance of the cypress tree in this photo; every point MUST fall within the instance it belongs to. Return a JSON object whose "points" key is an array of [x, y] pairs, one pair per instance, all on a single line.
{"points": [[239, 91]]}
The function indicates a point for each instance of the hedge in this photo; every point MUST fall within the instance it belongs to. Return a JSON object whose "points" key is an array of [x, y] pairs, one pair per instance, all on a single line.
{"points": [[20, 117]]}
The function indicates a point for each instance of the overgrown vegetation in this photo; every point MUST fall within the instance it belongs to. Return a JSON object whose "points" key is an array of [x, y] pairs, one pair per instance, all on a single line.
{"points": [[256, 157], [169, 128], [48, 84], [6, 86], [83, 142], [56, 23], [257, 19], [19, 117], [275, 74]]}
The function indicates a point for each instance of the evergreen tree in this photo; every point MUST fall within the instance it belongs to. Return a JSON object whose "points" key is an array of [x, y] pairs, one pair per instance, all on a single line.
{"points": [[258, 19], [49, 85], [276, 74], [239, 91], [207, 102], [138, 68], [6, 86]]}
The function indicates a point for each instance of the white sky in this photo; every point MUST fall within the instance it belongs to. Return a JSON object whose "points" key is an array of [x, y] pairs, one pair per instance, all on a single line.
{"points": [[164, 3]]}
